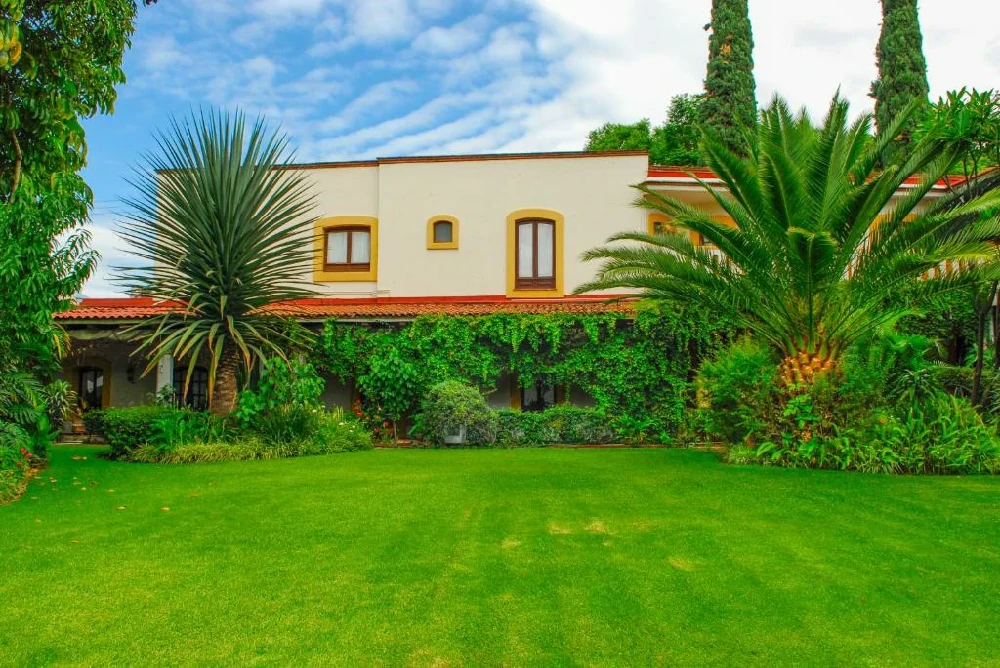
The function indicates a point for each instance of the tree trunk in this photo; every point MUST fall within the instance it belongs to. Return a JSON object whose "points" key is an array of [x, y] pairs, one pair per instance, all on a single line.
{"points": [[804, 367], [977, 373], [995, 318], [983, 311], [226, 384]]}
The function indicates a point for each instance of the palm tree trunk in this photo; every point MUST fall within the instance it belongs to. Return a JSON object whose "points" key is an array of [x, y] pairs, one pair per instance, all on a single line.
{"points": [[804, 367], [226, 383]]}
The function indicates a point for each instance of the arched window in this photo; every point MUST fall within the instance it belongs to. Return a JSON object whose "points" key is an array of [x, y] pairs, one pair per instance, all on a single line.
{"points": [[536, 254], [197, 391], [442, 233], [90, 390]]}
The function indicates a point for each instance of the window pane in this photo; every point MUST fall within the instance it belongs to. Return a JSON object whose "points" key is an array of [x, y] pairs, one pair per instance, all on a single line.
{"points": [[545, 241], [91, 388], [361, 250], [524, 250], [442, 232], [336, 248]]}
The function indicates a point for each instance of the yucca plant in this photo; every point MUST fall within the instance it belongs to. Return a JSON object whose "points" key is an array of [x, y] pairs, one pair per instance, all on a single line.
{"points": [[225, 231], [821, 236]]}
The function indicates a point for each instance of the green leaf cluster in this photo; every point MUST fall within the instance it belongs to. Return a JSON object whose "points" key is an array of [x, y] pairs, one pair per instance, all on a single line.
{"points": [[820, 241], [224, 232], [637, 366], [730, 105], [902, 71], [673, 143]]}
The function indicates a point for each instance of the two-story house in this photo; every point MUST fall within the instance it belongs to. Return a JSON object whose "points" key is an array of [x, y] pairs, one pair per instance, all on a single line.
{"points": [[399, 237]]}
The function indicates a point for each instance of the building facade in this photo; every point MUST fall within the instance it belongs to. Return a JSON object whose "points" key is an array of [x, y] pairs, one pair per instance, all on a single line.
{"points": [[396, 238]]}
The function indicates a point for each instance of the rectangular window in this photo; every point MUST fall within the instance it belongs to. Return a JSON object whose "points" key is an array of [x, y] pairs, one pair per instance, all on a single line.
{"points": [[536, 255], [90, 391], [348, 249]]}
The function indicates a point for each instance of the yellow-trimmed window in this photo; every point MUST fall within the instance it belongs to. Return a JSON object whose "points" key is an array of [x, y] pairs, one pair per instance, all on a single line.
{"points": [[346, 249], [442, 233], [659, 223], [535, 253]]}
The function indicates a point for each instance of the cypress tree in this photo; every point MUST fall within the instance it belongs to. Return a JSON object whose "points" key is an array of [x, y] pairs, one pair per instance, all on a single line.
{"points": [[730, 104], [902, 69]]}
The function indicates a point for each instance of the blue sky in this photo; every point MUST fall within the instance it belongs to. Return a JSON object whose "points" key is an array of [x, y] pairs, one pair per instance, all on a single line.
{"points": [[354, 79]]}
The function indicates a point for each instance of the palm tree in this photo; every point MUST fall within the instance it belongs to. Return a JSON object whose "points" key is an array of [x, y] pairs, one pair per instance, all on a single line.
{"points": [[226, 232], [820, 240]]}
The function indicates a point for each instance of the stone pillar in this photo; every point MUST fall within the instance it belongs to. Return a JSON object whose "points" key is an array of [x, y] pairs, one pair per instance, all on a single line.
{"points": [[165, 373]]}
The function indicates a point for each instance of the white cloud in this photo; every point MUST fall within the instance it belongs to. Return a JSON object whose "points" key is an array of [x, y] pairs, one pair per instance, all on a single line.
{"points": [[450, 40], [385, 20], [363, 78], [113, 254]]}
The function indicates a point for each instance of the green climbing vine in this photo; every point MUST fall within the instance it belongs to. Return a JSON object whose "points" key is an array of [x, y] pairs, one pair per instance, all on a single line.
{"points": [[635, 368]]}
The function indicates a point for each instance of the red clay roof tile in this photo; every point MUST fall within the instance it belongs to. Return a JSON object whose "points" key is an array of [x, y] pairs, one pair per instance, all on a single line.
{"points": [[140, 308]]}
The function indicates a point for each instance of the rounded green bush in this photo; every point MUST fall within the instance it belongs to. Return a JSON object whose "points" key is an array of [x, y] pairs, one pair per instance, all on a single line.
{"points": [[451, 406]]}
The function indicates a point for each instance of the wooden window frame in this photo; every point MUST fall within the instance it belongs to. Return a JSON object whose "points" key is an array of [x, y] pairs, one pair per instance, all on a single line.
{"points": [[352, 273], [81, 373], [346, 266], [535, 282], [559, 268]]}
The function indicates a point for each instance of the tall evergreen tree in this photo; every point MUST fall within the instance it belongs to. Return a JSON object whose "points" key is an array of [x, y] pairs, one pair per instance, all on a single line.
{"points": [[730, 105], [902, 69]]}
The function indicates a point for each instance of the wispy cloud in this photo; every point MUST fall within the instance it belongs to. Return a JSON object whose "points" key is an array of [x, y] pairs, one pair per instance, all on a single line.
{"points": [[361, 78]]}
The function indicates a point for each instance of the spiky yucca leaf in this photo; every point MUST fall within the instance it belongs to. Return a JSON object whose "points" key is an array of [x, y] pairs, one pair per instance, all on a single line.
{"points": [[224, 231], [821, 238]]}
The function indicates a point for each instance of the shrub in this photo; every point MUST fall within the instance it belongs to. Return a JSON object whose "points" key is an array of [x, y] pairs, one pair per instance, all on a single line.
{"points": [[284, 424], [451, 406], [93, 421], [939, 434], [184, 427], [738, 390], [568, 425], [336, 432], [333, 432], [392, 384], [520, 429], [15, 459], [280, 384], [243, 450], [127, 428]]}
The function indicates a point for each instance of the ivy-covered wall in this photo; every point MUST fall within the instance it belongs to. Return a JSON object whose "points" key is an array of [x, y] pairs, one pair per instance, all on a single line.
{"points": [[635, 368]]}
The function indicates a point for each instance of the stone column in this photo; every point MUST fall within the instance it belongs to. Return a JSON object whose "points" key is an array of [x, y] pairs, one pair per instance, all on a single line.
{"points": [[165, 373]]}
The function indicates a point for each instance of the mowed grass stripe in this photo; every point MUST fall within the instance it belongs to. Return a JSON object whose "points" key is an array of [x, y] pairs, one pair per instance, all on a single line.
{"points": [[499, 557]]}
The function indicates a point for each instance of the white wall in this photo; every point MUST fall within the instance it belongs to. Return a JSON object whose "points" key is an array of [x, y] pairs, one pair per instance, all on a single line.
{"points": [[592, 193]]}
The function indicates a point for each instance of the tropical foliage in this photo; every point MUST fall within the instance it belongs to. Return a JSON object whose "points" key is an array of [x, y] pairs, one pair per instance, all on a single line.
{"points": [[885, 411], [59, 64], [972, 119], [226, 232], [819, 241]]}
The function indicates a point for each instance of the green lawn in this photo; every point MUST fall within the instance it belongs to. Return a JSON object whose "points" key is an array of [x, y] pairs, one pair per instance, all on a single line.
{"points": [[524, 557]]}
